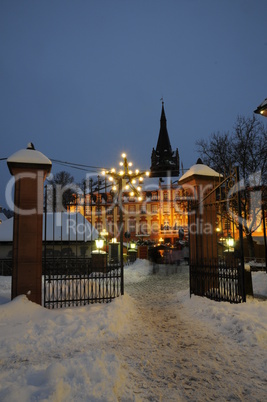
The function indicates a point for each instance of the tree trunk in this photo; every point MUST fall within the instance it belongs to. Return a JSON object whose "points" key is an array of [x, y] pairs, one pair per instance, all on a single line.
{"points": [[251, 249]]}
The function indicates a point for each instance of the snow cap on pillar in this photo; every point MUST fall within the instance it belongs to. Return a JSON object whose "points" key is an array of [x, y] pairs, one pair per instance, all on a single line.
{"points": [[29, 158], [199, 170]]}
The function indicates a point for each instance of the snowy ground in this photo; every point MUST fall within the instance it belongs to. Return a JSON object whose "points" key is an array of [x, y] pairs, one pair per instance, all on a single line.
{"points": [[152, 344]]}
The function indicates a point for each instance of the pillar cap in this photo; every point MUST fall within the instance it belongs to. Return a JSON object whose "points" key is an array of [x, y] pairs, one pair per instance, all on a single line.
{"points": [[199, 170], [29, 159]]}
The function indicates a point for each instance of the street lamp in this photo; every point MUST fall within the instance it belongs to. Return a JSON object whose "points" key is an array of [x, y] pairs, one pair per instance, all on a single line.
{"points": [[104, 234], [132, 252], [132, 246], [262, 108], [230, 241], [124, 180], [99, 244]]}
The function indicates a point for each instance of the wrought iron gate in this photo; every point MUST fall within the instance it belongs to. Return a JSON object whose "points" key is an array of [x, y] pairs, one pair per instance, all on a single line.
{"points": [[216, 242], [71, 274]]}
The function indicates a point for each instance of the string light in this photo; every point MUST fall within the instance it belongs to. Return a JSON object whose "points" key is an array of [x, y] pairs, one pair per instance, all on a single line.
{"points": [[128, 176]]}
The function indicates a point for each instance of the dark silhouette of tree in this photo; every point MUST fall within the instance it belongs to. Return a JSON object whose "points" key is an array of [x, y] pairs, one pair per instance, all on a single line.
{"points": [[61, 191], [246, 147]]}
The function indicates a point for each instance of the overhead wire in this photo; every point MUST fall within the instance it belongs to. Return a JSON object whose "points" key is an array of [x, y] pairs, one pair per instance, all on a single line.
{"points": [[78, 166]]}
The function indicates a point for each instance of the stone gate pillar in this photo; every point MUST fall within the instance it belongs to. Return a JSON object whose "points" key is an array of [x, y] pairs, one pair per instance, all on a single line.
{"points": [[29, 168], [199, 181]]}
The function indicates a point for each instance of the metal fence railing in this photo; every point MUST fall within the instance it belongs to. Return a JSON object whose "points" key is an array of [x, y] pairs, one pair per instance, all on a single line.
{"points": [[6, 266], [75, 282], [217, 279]]}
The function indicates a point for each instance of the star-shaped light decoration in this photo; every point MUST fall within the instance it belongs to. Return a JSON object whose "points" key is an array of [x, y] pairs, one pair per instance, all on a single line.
{"points": [[126, 179]]}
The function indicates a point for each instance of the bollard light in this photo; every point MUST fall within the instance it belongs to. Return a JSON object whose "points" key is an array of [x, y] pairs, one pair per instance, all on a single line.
{"points": [[230, 241], [132, 246], [99, 244]]}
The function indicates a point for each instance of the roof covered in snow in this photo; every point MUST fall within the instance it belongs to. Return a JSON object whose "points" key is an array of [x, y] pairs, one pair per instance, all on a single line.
{"points": [[59, 226], [200, 170]]}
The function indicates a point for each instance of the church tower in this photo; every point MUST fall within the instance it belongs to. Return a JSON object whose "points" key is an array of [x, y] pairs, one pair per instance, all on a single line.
{"points": [[164, 161]]}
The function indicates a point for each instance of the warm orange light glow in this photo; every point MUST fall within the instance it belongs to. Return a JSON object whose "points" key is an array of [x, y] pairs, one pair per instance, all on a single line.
{"points": [[99, 243]]}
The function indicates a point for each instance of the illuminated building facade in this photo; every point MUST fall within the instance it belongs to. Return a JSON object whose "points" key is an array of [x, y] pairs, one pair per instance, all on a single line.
{"points": [[162, 213]]}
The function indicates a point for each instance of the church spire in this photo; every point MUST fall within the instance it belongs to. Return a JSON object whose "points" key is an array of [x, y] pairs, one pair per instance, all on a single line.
{"points": [[163, 144], [164, 161]]}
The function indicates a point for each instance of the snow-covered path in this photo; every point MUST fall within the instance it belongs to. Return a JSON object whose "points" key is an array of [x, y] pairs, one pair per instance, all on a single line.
{"points": [[152, 344], [170, 357]]}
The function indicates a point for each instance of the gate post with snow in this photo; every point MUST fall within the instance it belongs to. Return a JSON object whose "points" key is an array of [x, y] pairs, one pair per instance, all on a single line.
{"points": [[29, 168], [199, 182]]}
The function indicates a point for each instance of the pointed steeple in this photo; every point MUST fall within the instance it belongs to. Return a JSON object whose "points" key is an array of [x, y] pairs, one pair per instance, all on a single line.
{"points": [[163, 144], [164, 162]]}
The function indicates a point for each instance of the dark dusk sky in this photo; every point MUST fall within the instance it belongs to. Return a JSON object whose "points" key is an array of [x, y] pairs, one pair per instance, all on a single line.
{"points": [[83, 79]]}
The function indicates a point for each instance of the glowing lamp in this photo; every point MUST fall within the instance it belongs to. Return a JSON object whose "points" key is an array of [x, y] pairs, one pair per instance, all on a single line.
{"points": [[230, 241], [99, 243], [104, 233]]}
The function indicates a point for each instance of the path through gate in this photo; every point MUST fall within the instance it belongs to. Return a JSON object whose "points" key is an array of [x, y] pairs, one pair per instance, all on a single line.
{"points": [[216, 242]]}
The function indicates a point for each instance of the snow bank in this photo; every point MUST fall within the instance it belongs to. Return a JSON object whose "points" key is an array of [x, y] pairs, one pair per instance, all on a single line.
{"points": [[5, 289], [138, 271], [72, 354], [54, 354], [244, 322]]}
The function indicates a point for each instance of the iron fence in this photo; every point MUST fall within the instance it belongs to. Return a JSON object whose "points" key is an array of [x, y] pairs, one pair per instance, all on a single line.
{"points": [[217, 279], [74, 272], [75, 282], [6, 265]]}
